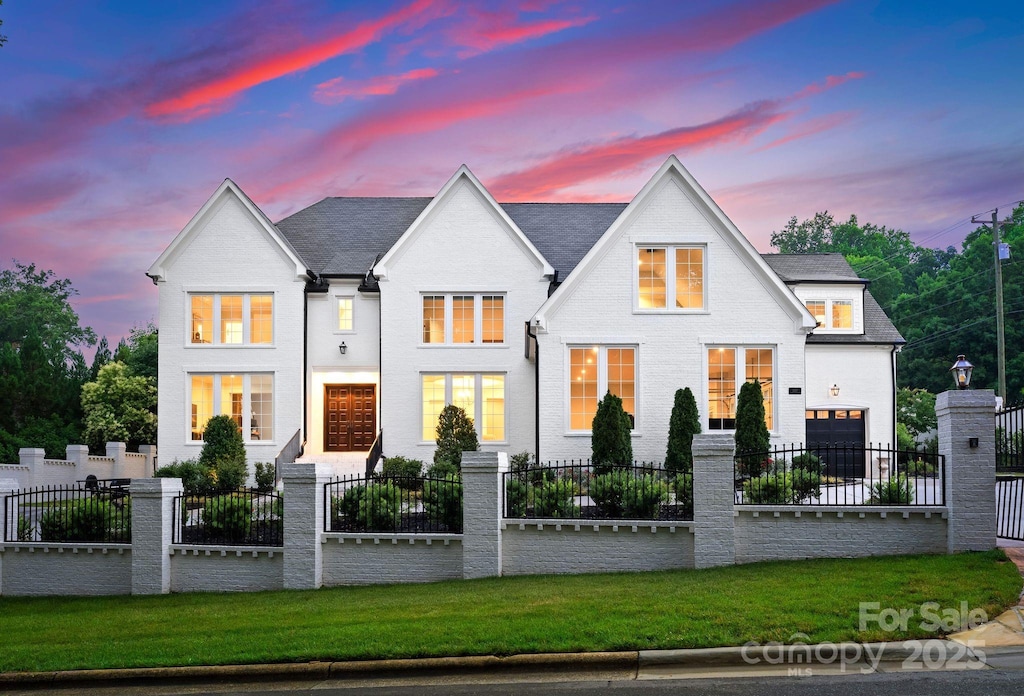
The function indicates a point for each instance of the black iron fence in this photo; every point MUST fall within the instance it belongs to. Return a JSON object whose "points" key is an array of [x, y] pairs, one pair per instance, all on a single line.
{"points": [[574, 489], [407, 504], [1010, 439], [839, 475], [68, 514], [1010, 507], [244, 517]]}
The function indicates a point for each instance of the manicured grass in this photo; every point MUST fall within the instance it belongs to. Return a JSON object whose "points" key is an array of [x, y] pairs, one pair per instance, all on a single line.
{"points": [[624, 611]]}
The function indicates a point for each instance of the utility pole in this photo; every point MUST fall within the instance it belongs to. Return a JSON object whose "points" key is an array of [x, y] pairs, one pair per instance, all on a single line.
{"points": [[1000, 336]]}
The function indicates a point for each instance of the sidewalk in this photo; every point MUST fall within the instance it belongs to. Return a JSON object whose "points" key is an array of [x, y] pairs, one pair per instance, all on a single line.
{"points": [[998, 644]]}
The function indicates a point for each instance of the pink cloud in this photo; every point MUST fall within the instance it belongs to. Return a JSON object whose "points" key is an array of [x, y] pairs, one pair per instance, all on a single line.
{"points": [[339, 89], [216, 93], [811, 127], [482, 31], [829, 82]]}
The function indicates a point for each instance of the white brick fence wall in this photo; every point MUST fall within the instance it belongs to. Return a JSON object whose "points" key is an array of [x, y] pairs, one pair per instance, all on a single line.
{"points": [[34, 470], [721, 533]]}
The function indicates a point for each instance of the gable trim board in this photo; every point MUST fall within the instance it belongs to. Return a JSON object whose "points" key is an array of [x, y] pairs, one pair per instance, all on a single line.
{"points": [[344, 240]]}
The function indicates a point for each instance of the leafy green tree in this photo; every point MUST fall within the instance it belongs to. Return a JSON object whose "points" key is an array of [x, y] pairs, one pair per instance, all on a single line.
{"points": [[119, 407], [683, 424], [610, 441], [139, 351], [100, 358], [751, 431], [455, 435], [915, 409]]}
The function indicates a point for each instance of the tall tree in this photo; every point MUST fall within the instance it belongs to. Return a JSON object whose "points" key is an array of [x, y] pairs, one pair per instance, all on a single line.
{"points": [[100, 358], [119, 407]]}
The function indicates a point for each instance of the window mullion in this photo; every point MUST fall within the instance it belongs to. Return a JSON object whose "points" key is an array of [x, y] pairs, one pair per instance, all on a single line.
{"points": [[246, 318], [246, 406], [215, 329], [449, 327], [602, 372], [670, 278]]}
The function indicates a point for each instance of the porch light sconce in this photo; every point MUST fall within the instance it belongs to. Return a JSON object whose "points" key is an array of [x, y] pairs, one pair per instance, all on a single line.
{"points": [[962, 372], [972, 442], [834, 390], [343, 348]]}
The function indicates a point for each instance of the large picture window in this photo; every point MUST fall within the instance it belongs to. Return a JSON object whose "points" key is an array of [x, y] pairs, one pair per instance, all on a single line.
{"points": [[464, 319], [247, 398], [231, 319], [594, 371], [480, 395], [725, 364], [670, 278]]}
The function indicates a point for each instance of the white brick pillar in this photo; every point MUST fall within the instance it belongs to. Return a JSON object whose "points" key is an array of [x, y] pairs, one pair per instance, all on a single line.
{"points": [[117, 451], [150, 452], [32, 457], [714, 540], [482, 488], [970, 471], [304, 523], [152, 533], [79, 456]]}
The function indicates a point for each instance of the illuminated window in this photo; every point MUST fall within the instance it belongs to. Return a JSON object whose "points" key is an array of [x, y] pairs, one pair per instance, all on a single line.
{"points": [[594, 371], [724, 364], [202, 318], [234, 319], [233, 395], [817, 310], [487, 412], [842, 314], [462, 319], [433, 318], [261, 319], [658, 288], [345, 314], [433, 403], [493, 324]]}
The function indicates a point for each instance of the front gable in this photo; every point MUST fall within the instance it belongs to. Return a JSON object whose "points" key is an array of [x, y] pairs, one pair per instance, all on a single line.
{"points": [[673, 209], [234, 223], [463, 213]]}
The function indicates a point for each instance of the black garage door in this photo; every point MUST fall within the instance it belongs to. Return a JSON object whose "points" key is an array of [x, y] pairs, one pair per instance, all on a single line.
{"points": [[839, 438]]}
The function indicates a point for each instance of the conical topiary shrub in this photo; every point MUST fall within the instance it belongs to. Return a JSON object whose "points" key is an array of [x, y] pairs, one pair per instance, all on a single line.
{"points": [[752, 440], [682, 426], [455, 435], [611, 446]]}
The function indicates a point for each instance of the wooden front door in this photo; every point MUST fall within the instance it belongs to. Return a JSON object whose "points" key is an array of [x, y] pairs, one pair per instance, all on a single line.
{"points": [[350, 417]]}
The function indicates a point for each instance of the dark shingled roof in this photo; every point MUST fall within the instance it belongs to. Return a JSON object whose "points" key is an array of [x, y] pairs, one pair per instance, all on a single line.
{"points": [[833, 268], [344, 236]]}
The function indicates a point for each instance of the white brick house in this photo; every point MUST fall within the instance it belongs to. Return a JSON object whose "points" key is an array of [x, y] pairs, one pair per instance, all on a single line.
{"points": [[361, 315]]}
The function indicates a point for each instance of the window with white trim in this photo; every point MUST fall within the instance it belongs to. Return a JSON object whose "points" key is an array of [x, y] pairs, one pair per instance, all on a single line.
{"points": [[463, 319], [670, 278], [831, 314], [346, 314], [247, 398], [725, 363], [595, 371], [231, 318], [480, 395]]}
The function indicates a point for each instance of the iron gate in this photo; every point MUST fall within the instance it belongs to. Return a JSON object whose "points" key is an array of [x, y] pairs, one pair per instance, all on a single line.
{"points": [[1010, 439], [1010, 507]]}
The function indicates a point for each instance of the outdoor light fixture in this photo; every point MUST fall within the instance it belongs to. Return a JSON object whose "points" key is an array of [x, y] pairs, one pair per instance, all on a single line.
{"points": [[343, 348], [962, 372], [834, 390]]}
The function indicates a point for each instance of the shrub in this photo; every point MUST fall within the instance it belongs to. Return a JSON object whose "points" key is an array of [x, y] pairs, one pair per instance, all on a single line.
{"points": [[608, 491], [806, 484], [516, 492], [554, 498], [751, 435], [769, 489], [380, 507], [455, 435], [895, 491], [196, 479], [345, 509], [683, 424], [920, 467], [520, 464], [441, 468], [643, 496], [222, 440], [227, 518], [684, 493], [442, 499], [809, 462], [230, 474], [405, 472], [86, 519], [610, 440], [904, 440], [266, 477], [25, 529]]}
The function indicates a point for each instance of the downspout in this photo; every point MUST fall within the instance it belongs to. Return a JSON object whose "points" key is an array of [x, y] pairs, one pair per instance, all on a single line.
{"points": [[895, 414], [305, 364], [536, 394]]}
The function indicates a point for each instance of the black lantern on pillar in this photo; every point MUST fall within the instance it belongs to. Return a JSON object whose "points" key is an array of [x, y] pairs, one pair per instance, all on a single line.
{"points": [[962, 372]]}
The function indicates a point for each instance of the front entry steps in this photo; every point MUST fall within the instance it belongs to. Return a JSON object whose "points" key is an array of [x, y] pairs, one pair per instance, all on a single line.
{"points": [[343, 463]]}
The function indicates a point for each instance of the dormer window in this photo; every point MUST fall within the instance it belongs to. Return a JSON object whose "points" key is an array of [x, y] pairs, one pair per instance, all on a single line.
{"points": [[832, 314], [670, 278]]}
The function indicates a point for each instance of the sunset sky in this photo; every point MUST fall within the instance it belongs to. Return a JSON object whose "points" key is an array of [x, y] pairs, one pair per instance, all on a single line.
{"points": [[119, 118]]}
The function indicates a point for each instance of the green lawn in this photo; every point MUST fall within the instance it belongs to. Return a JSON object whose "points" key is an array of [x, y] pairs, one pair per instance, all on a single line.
{"points": [[622, 611]]}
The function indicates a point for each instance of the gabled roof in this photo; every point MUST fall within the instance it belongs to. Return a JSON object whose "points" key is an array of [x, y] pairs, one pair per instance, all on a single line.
{"points": [[834, 268], [673, 170], [462, 176], [228, 188]]}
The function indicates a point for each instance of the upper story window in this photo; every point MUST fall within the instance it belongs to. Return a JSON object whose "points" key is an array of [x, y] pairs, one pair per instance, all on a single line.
{"points": [[594, 371], [831, 314], [464, 319], [346, 314], [232, 319], [670, 278]]}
